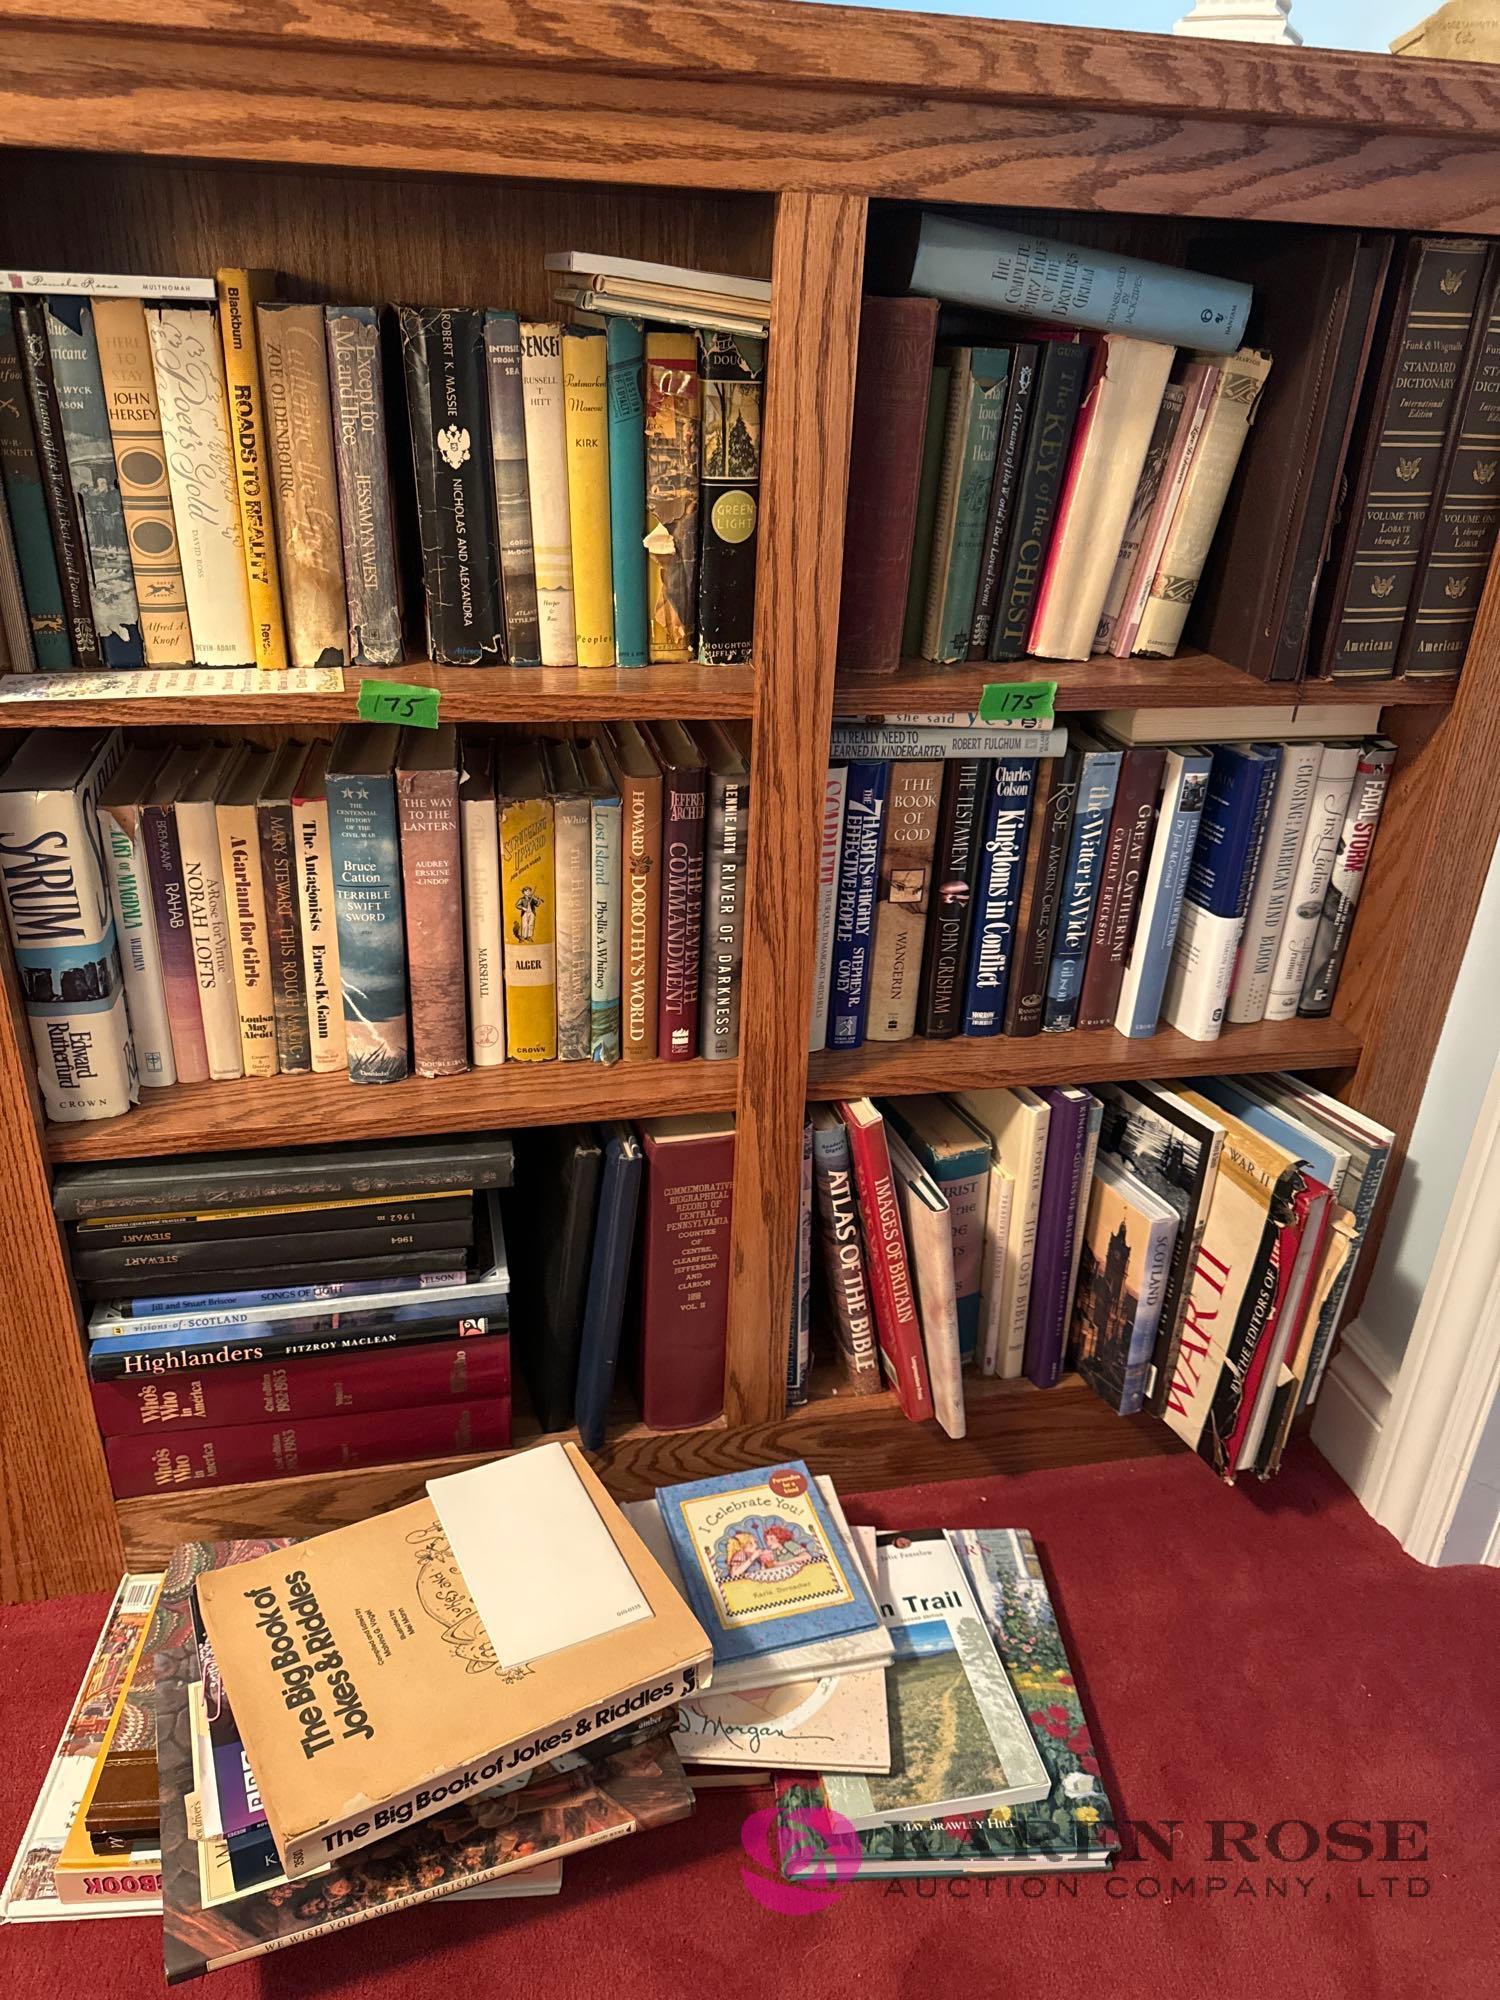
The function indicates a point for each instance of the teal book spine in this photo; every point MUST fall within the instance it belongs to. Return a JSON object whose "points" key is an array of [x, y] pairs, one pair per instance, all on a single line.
{"points": [[96, 487], [364, 843], [625, 378], [41, 587], [991, 375]]}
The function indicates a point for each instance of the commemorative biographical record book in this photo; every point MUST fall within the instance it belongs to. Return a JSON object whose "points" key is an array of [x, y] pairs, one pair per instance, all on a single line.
{"points": [[375, 1680]]}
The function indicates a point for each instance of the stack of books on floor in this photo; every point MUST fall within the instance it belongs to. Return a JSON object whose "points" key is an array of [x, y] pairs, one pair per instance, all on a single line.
{"points": [[547, 493], [1187, 1249], [264, 1316], [398, 902], [1041, 468], [1165, 867]]}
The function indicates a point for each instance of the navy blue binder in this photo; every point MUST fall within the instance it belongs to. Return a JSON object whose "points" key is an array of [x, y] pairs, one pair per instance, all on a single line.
{"points": [[609, 1272]]}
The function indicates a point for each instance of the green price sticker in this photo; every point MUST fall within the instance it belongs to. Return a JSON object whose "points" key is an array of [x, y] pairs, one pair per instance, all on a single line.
{"points": [[394, 701], [1018, 701]]}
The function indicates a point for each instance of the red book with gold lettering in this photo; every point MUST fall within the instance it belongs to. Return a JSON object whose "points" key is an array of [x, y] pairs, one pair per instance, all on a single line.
{"points": [[896, 1323], [684, 1294]]}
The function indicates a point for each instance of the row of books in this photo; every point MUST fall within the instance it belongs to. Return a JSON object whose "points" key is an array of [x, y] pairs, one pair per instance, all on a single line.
{"points": [[1187, 1250], [989, 881], [395, 902], [1050, 480], [198, 472]]}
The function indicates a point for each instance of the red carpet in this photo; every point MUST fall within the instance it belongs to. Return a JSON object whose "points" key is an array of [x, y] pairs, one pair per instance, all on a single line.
{"points": [[1270, 1657]]}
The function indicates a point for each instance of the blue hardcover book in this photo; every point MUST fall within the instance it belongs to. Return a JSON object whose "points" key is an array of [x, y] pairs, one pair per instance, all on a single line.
{"points": [[609, 1274], [1097, 778], [854, 907], [22, 481], [1007, 819], [175, 1304], [762, 1563], [1219, 881], [625, 372], [368, 912], [1184, 788], [957, 1157], [95, 483]]}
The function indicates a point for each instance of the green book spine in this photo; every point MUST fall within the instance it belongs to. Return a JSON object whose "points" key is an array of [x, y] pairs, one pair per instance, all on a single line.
{"points": [[990, 377], [927, 500], [626, 406]]}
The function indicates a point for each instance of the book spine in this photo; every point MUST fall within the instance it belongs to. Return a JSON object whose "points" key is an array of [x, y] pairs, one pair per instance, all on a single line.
{"points": [[1058, 392], [1002, 493], [367, 902], [16, 651], [799, 1333], [1150, 953], [175, 942], [1461, 527], [74, 354], [1320, 846], [1167, 440], [141, 470], [626, 382], [1075, 913], [459, 560], [573, 843], [605, 819], [125, 869], [997, 894], [1230, 837], [723, 918], [208, 922], [57, 490], [313, 860], [685, 1279], [854, 909], [733, 369], [892, 380], [289, 1447], [993, 1330], [898, 1328], [356, 387], [584, 400], [484, 949], [957, 852], [239, 857], [929, 482], [958, 428], [845, 1278], [1271, 896], [1190, 535], [530, 909], [1395, 476], [546, 429], [1041, 892], [1341, 898], [640, 805], [432, 899], [27, 506], [150, 1231], [502, 354], [913, 797], [247, 423], [426, 1375], [835, 782], [300, 465], [1057, 1222], [188, 359], [278, 874], [117, 1360], [673, 450], [860, 742], [1187, 447], [1125, 847], [682, 805]]}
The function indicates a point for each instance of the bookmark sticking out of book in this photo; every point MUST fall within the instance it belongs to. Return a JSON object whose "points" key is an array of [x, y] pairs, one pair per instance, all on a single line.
{"points": [[542, 1568]]}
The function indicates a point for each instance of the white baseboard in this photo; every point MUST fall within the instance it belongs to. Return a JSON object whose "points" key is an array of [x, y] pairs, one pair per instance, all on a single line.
{"points": [[1354, 1400]]}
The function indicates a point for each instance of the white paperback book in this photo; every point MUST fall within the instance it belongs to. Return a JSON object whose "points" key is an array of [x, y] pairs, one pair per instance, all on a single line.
{"points": [[1016, 1121], [135, 915], [1313, 721], [1329, 802], [1271, 897], [208, 912], [312, 861], [997, 1214], [547, 485], [929, 1235], [835, 785], [1183, 788], [484, 951]]}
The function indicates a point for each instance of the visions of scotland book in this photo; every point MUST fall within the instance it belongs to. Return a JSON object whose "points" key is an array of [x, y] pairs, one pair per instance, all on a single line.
{"points": [[363, 840]]}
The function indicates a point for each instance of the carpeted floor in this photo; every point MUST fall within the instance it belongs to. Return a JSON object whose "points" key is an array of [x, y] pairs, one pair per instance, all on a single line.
{"points": [[1255, 1656]]}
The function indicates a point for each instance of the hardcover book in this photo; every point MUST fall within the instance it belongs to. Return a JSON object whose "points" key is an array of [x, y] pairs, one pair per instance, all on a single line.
{"points": [[1179, 811], [367, 900], [173, 931], [732, 368], [830, 843], [1271, 894], [898, 1329], [958, 851], [626, 386], [126, 871], [1337, 770], [1016, 1123], [239, 294], [1132, 820], [584, 367], [502, 355], [957, 1157], [854, 908], [484, 948], [846, 1277], [1007, 821], [1008, 455], [528, 903], [312, 856], [725, 850], [638, 775], [432, 897], [1062, 373], [196, 815], [1231, 834], [977, 383], [913, 794], [929, 1239], [572, 837], [57, 488], [1098, 775], [683, 789], [929, 476], [278, 872], [1054, 796], [689, 1195], [244, 888], [1058, 1214], [608, 1276], [1347, 879], [674, 425], [372, 577], [1178, 418], [1128, 1236], [605, 894], [26, 504], [547, 489]]}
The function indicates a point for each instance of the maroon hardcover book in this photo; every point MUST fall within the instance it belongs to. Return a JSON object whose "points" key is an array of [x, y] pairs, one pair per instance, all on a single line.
{"points": [[1125, 850], [894, 374], [283, 1450], [393, 1378], [683, 778], [684, 1297], [433, 895]]}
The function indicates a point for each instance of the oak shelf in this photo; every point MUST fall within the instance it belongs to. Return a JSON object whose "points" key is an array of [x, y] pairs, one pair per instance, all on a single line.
{"points": [[1094, 1055], [325, 1110]]}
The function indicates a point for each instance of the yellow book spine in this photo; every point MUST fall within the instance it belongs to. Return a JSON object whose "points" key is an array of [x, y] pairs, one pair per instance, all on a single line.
{"points": [[244, 888], [238, 294], [78, 1850], [529, 897], [588, 497]]}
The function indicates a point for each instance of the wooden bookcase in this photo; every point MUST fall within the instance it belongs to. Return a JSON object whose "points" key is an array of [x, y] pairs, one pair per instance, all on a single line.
{"points": [[434, 153]]}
